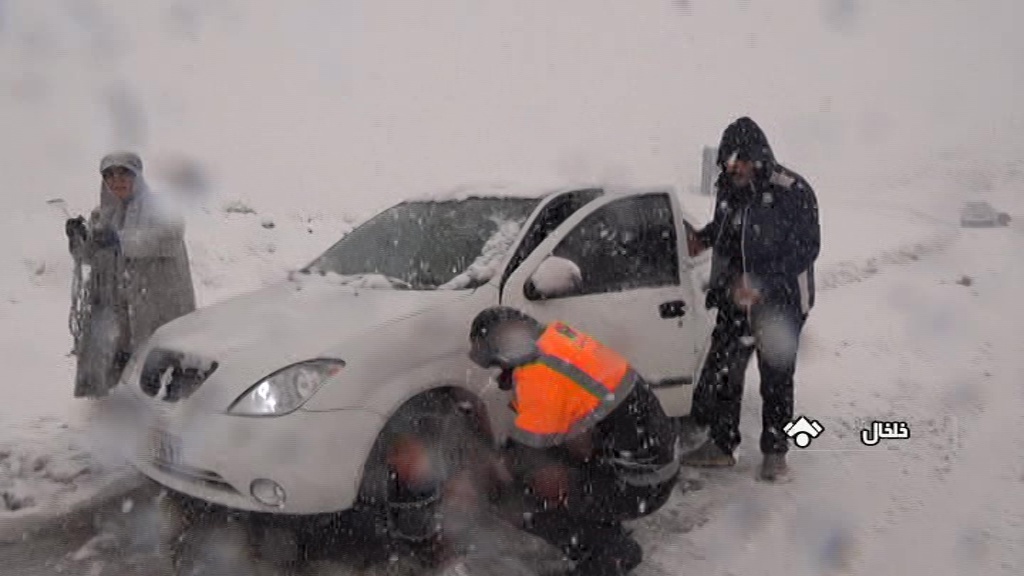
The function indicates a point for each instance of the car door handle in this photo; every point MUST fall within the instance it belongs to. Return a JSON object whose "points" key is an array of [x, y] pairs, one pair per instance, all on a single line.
{"points": [[673, 309]]}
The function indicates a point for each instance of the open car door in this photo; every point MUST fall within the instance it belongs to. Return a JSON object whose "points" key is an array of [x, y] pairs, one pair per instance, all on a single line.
{"points": [[634, 290]]}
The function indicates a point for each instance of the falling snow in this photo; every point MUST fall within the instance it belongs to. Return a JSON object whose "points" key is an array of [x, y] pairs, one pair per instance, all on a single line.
{"points": [[278, 133]]}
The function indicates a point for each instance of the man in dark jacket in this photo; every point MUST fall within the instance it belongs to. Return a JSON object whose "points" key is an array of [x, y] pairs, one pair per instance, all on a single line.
{"points": [[765, 238]]}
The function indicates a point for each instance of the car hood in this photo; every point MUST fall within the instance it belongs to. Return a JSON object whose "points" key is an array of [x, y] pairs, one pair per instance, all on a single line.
{"points": [[252, 335]]}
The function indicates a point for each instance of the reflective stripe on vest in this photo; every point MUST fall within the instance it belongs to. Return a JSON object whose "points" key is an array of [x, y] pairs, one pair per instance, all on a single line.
{"points": [[643, 475], [573, 385]]}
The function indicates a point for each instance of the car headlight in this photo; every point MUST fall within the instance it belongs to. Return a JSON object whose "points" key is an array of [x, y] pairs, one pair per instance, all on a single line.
{"points": [[287, 389]]}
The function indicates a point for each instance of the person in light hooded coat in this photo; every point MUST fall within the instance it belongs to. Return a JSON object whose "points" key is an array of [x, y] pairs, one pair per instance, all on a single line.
{"points": [[135, 244]]}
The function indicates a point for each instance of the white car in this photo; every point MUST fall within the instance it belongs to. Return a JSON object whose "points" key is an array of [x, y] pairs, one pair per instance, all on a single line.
{"points": [[285, 400]]}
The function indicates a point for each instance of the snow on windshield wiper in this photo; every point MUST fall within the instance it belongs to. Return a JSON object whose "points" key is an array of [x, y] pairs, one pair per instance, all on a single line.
{"points": [[398, 283], [368, 280]]}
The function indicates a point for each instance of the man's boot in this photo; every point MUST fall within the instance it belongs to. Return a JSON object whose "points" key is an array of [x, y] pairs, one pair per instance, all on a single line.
{"points": [[774, 469], [708, 455]]}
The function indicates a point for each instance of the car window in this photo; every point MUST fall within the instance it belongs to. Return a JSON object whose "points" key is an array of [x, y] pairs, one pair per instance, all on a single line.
{"points": [[628, 244], [551, 217], [430, 244]]}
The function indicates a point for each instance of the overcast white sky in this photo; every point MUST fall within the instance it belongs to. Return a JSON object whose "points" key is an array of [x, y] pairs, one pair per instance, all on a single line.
{"points": [[330, 102]]}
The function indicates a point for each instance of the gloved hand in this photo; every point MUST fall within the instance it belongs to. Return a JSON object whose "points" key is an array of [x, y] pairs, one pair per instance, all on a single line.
{"points": [[106, 238], [75, 228], [745, 292], [505, 380], [77, 234]]}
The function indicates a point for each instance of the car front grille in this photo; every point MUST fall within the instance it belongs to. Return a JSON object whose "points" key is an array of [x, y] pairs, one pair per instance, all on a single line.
{"points": [[204, 478], [166, 454], [171, 376]]}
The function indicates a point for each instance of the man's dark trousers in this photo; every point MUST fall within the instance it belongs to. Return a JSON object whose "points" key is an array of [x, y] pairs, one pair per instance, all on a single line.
{"points": [[719, 394]]}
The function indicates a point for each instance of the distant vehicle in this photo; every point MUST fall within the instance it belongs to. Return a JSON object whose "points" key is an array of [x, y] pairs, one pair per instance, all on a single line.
{"points": [[982, 215], [288, 400]]}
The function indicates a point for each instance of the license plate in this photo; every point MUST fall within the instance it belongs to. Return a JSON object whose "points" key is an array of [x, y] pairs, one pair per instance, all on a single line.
{"points": [[165, 448]]}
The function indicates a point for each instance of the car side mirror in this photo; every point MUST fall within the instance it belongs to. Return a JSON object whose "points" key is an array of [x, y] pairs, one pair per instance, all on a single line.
{"points": [[531, 292], [555, 277]]}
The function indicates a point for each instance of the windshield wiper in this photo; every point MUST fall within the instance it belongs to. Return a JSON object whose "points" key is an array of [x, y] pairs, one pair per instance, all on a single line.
{"points": [[394, 282], [399, 283]]}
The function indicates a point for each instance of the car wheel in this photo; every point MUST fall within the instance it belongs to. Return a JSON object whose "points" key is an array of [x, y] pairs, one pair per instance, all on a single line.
{"points": [[423, 456]]}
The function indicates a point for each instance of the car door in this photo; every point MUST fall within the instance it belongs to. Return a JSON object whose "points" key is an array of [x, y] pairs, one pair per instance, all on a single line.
{"points": [[635, 295], [677, 397]]}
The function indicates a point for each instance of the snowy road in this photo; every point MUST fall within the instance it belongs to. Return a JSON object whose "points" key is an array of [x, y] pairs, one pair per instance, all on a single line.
{"points": [[71, 548], [123, 538], [126, 537]]}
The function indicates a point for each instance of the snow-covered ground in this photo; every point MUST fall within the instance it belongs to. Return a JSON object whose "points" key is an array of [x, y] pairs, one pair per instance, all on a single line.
{"points": [[290, 126]]}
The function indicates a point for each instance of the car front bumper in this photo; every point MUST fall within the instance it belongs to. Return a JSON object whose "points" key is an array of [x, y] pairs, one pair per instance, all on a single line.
{"points": [[317, 458]]}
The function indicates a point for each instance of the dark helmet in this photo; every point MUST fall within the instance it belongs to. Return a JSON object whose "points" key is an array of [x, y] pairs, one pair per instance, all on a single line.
{"points": [[485, 350]]}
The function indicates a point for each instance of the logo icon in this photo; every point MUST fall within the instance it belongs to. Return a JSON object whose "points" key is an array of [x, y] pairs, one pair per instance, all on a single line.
{"points": [[802, 431]]}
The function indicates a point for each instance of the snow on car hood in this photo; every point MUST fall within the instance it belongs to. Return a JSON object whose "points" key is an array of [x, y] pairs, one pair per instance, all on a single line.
{"points": [[257, 333]]}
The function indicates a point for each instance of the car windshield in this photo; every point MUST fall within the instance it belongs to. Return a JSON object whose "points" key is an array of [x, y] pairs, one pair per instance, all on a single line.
{"points": [[428, 245]]}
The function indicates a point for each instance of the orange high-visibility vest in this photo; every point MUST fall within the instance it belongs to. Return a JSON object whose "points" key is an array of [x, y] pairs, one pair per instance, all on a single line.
{"points": [[575, 382]]}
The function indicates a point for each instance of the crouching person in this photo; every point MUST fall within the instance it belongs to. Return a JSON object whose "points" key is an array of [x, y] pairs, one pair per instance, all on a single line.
{"points": [[139, 273], [591, 446]]}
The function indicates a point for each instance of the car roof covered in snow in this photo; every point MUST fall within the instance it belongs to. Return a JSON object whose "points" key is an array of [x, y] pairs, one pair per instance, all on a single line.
{"points": [[978, 208], [482, 190], [524, 191]]}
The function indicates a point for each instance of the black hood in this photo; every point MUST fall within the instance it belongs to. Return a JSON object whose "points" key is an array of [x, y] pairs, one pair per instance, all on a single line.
{"points": [[746, 139]]}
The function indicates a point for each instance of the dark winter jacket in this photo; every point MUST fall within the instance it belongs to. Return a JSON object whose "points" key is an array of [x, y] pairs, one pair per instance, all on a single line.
{"points": [[769, 230]]}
